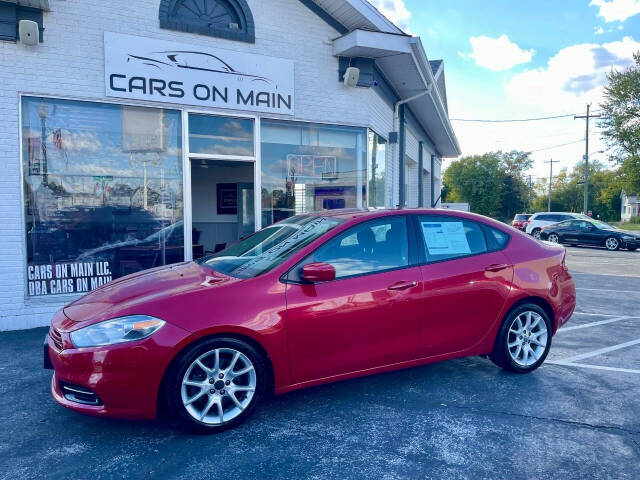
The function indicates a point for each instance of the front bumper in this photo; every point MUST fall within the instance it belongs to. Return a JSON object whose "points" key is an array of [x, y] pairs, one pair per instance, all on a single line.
{"points": [[635, 243], [125, 378]]}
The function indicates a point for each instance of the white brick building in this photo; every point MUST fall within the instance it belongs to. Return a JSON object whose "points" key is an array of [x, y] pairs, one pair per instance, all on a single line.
{"points": [[137, 133]]}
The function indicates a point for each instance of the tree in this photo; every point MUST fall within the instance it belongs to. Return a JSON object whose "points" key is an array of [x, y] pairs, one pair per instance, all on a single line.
{"points": [[621, 111], [493, 183]]}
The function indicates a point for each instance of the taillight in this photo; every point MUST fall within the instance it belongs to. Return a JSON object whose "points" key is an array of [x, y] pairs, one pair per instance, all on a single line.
{"points": [[542, 229]]}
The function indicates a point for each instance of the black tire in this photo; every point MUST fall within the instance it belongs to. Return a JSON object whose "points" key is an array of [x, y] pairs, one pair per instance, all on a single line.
{"points": [[612, 249], [501, 356], [534, 232], [174, 405]]}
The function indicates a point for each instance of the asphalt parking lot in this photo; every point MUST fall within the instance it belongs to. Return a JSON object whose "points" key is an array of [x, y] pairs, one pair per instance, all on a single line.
{"points": [[576, 417]]}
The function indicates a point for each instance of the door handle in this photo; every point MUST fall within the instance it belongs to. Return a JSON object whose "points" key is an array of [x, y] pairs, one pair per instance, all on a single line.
{"points": [[402, 285], [496, 267]]}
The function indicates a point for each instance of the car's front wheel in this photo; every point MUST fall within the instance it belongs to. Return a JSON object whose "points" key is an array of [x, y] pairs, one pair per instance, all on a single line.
{"points": [[612, 243], [553, 238], [523, 340], [215, 384]]}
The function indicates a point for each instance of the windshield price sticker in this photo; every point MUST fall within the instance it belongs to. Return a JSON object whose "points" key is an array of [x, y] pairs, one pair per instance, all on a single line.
{"points": [[445, 238]]}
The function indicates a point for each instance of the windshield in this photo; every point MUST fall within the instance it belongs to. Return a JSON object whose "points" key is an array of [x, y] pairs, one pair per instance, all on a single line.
{"points": [[602, 225], [269, 247]]}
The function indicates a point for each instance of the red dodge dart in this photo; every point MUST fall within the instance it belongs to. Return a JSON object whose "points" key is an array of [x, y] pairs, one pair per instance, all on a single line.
{"points": [[313, 299]]}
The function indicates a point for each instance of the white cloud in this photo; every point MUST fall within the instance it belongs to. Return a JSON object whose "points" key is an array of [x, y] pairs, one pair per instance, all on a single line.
{"points": [[573, 77], [497, 53], [598, 30], [394, 10], [616, 10]]}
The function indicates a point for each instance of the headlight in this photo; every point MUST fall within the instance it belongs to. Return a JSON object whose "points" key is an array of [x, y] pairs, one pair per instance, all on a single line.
{"points": [[118, 330], [628, 237]]}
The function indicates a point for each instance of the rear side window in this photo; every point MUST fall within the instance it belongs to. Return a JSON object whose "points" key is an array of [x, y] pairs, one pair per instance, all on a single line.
{"points": [[545, 218], [496, 239], [446, 238], [562, 218]]}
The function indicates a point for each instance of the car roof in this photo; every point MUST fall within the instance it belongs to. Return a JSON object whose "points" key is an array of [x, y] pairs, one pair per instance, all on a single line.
{"points": [[363, 213]]}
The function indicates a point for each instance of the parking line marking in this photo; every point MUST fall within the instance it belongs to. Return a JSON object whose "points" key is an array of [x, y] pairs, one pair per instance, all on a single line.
{"points": [[592, 324], [595, 367], [602, 314], [603, 290], [600, 351]]}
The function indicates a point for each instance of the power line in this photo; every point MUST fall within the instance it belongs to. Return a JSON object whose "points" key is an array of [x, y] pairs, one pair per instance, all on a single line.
{"points": [[555, 146], [511, 120]]}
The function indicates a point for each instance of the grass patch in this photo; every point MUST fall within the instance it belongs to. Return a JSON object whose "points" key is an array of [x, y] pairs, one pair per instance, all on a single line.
{"points": [[627, 225]]}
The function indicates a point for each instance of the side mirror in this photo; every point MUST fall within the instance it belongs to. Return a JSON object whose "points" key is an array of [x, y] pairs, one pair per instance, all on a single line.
{"points": [[318, 272]]}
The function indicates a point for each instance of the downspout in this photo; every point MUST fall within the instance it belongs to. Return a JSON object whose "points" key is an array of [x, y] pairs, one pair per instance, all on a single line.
{"points": [[420, 174], [433, 183], [401, 138]]}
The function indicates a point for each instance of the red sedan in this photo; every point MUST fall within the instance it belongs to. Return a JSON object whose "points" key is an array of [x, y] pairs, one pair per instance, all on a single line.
{"points": [[313, 299]]}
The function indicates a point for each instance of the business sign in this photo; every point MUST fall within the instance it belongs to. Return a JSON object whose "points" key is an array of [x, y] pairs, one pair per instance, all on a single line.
{"points": [[143, 68]]}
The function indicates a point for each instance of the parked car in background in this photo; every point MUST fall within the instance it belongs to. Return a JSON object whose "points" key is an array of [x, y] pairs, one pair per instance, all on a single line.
{"points": [[591, 232], [313, 299], [542, 219], [520, 220]]}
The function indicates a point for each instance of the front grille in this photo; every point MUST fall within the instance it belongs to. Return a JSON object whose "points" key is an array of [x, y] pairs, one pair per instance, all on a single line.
{"points": [[56, 337], [78, 394]]}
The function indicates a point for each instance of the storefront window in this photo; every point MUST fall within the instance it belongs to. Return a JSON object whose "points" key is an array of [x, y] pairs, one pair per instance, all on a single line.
{"points": [[102, 192], [308, 167], [215, 135], [376, 170]]}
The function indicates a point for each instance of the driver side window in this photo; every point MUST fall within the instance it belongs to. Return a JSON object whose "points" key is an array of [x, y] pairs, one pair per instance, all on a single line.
{"points": [[367, 248]]}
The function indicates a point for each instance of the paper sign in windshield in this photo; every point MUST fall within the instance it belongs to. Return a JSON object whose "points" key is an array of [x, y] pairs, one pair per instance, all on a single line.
{"points": [[445, 238]]}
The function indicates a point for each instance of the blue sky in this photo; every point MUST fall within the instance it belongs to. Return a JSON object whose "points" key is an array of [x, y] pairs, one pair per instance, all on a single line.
{"points": [[520, 59]]}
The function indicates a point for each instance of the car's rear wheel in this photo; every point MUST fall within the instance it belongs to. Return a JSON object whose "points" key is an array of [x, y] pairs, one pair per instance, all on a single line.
{"points": [[523, 340], [612, 243], [553, 238], [215, 384], [536, 233]]}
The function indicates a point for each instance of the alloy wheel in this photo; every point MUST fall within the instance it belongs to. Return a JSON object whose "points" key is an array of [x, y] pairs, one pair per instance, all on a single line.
{"points": [[218, 386], [536, 234], [527, 338], [612, 243], [553, 238]]}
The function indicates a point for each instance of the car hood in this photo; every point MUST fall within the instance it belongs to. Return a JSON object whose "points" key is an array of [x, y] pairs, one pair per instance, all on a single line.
{"points": [[145, 292], [624, 232]]}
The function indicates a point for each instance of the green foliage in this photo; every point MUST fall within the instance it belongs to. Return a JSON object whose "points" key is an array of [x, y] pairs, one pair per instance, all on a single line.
{"points": [[621, 112], [493, 183]]}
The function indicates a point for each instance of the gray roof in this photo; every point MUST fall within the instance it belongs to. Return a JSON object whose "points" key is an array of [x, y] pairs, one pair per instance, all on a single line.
{"points": [[39, 4]]}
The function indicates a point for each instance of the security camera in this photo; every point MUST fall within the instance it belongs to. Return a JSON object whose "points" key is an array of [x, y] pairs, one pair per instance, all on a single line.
{"points": [[28, 32], [351, 77]]}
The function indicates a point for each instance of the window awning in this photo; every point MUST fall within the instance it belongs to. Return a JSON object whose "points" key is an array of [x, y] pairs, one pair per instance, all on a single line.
{"points": [[403, 62], [38, 4]]}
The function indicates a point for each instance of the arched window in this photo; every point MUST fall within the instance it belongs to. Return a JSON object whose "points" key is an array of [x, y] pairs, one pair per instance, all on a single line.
{"points": [[230, 19]]}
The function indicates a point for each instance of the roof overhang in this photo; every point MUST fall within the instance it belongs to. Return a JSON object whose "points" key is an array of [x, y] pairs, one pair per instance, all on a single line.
{"points": [[404, 64], [38, 4], [357, 14]]}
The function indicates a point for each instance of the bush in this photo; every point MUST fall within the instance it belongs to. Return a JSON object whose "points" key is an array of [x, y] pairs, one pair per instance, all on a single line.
{"points": [[635, 220]]}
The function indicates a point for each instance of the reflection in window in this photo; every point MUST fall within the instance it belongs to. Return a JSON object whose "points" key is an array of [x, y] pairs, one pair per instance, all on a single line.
{"points": [[376, 170], [102, 192], [307, 167], [215, 135]]}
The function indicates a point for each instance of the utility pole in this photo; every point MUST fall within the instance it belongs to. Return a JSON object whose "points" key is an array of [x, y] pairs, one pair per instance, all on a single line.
{"points": [[586, 157], [550, 162], [530, 192]]}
